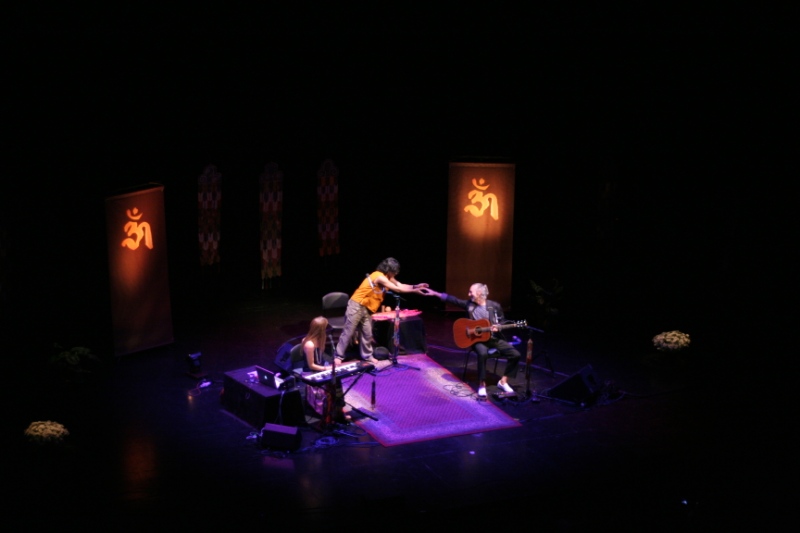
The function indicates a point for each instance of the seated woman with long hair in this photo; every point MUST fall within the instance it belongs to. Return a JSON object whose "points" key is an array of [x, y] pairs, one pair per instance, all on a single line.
{"points": [[314, 345], [318, 397]]}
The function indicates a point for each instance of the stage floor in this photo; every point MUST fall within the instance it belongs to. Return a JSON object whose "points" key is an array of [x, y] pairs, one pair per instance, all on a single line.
{"points": [[676, 450]]}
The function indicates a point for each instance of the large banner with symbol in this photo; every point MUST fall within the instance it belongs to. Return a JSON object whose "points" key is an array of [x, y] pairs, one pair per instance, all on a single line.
{"points": [[480, 228], [141, 311]]}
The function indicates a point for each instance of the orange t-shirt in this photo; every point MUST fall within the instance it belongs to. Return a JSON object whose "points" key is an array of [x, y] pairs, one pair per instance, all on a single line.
{"points": [[369, 293]]}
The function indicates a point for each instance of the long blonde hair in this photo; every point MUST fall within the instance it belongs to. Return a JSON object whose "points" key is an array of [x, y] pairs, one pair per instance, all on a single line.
{"points": [[317, 331]]}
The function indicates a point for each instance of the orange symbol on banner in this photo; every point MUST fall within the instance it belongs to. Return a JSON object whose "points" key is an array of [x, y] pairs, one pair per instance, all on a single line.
{"points": [[137, 231], [486, 201]]}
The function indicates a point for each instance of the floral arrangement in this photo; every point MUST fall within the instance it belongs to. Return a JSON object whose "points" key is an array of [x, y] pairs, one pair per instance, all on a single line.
{"points": [[76, 358], [46, 432], [671, 341], [547, 300]]}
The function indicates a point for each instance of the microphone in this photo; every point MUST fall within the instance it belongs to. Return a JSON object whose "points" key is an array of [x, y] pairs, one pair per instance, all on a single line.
{"points": [[333, 346], [373, 395]]}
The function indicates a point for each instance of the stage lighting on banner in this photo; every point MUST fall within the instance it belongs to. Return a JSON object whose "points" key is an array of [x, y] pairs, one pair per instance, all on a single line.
{"points": [[141, 311], [480, 228]]}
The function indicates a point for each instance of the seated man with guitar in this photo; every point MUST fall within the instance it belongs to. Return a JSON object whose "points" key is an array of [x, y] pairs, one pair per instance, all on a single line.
{"points": [[485, 321]]}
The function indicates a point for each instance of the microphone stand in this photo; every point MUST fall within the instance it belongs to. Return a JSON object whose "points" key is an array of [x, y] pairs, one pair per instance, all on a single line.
{"points": [[332, 407], [530, 396], [354, 408], [396, 337], [543, 352]]}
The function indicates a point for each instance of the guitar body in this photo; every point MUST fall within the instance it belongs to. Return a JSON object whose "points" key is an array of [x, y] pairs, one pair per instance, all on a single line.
{"points": [[467, 332]]}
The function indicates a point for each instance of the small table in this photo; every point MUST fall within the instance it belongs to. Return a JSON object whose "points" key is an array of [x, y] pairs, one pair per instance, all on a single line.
{"points": [[412, 331]]}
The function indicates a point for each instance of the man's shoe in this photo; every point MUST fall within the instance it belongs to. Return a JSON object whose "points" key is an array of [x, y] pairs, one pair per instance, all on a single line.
{"points": [[505, 386], [482, 392]]}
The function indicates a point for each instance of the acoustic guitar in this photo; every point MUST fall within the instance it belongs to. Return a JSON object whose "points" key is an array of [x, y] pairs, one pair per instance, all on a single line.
{"points": [[467, 332]]}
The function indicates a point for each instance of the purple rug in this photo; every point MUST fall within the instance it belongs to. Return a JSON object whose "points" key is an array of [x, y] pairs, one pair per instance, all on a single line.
{"points": [[418, 405]]}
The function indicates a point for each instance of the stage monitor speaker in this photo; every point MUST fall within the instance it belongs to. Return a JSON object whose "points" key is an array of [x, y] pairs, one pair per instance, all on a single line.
{"points": [[277, 437], [257, 404], [580, 388]]}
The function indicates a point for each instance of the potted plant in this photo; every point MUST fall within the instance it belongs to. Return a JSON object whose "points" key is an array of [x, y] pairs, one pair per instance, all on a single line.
{"points": [[46, 433], [74, 363], [671, 341]]}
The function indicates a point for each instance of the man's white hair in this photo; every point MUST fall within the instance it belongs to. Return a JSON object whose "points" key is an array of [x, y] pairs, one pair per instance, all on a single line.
{"points": [[484, 290]]}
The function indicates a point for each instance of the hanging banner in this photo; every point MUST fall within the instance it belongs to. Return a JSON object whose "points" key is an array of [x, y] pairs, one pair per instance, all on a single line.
{"points": [[209, 205], [137, 262], [271, 201], [480, 228], [328, 208]]}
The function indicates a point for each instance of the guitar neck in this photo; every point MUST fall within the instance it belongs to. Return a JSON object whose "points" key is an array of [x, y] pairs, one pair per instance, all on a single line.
{"points": [[498, 326]]}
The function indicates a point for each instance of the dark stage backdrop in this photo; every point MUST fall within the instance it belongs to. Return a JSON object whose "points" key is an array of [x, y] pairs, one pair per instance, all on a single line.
{"points": [[271, 202], [480, 228], [137, 258], [209, 220]]}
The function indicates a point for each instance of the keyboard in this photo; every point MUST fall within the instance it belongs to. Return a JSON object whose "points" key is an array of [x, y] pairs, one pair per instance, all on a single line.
{"points": [[342, 371]]}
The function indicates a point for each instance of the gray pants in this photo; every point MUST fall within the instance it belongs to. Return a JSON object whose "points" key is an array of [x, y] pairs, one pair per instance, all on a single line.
{"points": [[357, 319]]}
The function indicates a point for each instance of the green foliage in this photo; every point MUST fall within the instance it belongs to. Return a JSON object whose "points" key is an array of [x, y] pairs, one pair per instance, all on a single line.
{"points": [[547, 300], [77, 359]]}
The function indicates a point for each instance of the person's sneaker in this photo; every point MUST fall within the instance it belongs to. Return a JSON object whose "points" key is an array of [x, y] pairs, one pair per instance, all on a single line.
{"points": [[505, 386], [482, 392]]}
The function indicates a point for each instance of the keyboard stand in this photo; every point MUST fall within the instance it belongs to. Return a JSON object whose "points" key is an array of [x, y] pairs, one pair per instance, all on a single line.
{"points": [[352, 407], [330, 388]]}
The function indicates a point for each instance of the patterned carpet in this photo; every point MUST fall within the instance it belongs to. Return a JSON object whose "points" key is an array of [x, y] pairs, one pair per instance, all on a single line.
{"points": [[417, 405]]}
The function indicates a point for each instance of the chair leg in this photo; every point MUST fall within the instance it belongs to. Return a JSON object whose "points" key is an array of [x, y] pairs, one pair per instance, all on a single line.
{"points": [[496, 361], [466, 362]]}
